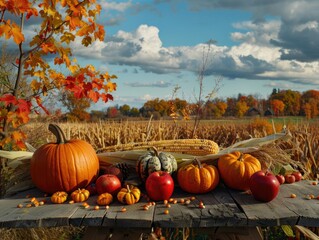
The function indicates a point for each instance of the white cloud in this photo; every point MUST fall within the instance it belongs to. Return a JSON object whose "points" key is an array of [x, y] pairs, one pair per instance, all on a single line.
{"points": [[308, 25], [117, 6], [92, 51], [146, 97], [253, 58]]}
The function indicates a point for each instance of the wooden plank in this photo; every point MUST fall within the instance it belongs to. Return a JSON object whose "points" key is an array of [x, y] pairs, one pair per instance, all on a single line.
{"points": [[307, 210], [88, 216], [223, 207], [273, 213], [48, 215], [220, 210], [133, 217], [180, 215]]}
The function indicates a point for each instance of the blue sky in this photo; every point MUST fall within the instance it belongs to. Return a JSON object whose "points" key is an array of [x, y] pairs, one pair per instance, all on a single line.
{"points": [[154, 46]]}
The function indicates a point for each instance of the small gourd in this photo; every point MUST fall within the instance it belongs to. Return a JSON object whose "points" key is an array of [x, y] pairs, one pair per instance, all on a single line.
{"points": [[80, 195], [154, 161], [104, 199], [198, 177], [59, 197], [129, 195]]}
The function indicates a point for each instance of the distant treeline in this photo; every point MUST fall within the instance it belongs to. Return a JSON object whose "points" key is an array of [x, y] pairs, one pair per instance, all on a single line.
{"points": [[279, 103]]}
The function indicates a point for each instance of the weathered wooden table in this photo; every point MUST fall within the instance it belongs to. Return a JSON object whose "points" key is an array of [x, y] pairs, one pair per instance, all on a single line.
{"points": [[223, 208]]}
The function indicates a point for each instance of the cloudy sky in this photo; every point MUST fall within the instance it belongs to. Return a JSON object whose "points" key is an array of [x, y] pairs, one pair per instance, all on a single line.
{"points": [[154, 46]]}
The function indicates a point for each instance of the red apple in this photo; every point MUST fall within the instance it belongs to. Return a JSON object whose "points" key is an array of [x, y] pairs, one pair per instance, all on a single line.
{"points": [[289, 178], [264, 186], [115, 171], [298, 176], [108, 183], [159, 185], [280, 178]]}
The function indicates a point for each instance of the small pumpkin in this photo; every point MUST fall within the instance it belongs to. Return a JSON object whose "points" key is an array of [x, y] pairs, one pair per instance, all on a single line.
{"points": [[129, 194], [80, 195], [154, 161], [198, 177], [59, 197], [104, 199], [64, 165], [236, 169]]}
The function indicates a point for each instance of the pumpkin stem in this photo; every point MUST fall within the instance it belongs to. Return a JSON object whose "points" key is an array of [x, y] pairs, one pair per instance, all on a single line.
{"points": [[128, 188], [241, 157], [155, 151], [198, 163], [58, 133]]}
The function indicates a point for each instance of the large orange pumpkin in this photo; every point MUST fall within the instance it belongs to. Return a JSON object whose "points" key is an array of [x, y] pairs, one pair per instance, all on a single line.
{"points": [[236, 169], [65, 165], [197, 177]]}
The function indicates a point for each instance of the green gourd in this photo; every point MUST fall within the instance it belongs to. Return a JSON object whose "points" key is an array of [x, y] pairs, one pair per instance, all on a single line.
{"points": [[153, 161]]}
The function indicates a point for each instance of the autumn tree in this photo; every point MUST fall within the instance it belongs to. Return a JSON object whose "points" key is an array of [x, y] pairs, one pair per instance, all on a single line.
{"points": [[277, 106], [231, 106], [216, 108], [291, 99], [60, 23], [112, 112], [310, 103], [134, 112], [241, 108], [155, 105], [125, 109], [76, 107]]}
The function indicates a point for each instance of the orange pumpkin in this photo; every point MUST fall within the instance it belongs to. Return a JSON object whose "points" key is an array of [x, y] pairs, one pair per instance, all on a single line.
{"points": [[198, 177], [65, 165], [80, 195], [129, 195], [104, 199], [59, 197], [236, 169]]}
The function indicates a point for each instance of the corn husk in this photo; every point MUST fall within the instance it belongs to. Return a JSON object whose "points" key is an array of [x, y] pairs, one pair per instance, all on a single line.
{"points": [[307, 232], [251, 146], [17, 164]]}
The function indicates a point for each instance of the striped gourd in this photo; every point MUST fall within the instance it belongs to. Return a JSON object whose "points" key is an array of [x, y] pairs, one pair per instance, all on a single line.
{"points": [[154, 161], [196, 147]]}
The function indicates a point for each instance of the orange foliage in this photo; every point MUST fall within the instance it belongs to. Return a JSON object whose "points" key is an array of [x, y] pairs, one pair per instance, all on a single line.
{"points": [[263, 125], [278, 106], [61, 23]]}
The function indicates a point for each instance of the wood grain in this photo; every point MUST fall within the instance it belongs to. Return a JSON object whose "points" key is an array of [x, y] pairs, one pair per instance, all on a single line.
{"points": [[223, 208]]}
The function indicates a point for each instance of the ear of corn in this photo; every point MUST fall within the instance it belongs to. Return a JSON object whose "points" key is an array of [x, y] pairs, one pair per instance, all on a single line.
{"points": [[196, 147]]}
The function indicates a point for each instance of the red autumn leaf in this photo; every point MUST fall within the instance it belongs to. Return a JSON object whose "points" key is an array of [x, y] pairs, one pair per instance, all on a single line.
{"points": [[23, 105], [31, 11], [94, 95], [78, 91], [8, 99], [106, 97], [87, 87]]}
